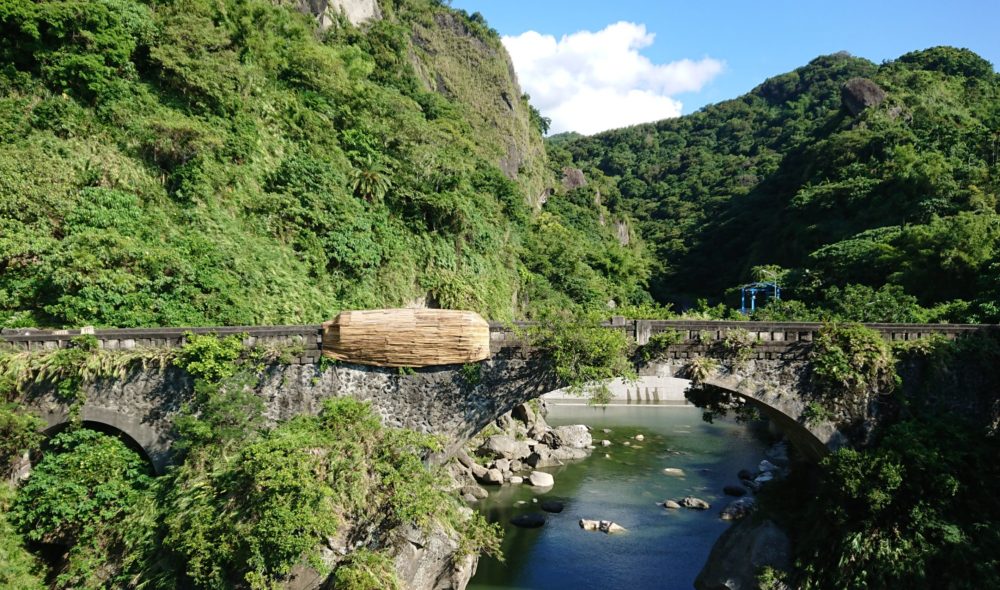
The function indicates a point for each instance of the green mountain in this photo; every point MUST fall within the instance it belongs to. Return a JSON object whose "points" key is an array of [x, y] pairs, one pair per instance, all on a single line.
{"points": [[240, 162], [843, 179]]}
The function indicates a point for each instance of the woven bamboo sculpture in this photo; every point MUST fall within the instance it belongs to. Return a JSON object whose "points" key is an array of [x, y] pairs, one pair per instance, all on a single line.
{"points": [[407, 337]]}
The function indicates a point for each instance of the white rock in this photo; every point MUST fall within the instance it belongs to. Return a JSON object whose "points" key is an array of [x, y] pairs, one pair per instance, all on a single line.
{"points": [[695, 503], [766, 466], [675, 471], [575, 436], [764, 477], [605, 443], [671, 504], [493, 476], [541, 479], [609, 527], [589, 525], [516, 479], [640, 437]]}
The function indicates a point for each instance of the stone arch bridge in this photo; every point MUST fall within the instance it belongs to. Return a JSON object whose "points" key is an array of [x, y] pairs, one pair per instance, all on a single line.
{"points": [[445, 400]]}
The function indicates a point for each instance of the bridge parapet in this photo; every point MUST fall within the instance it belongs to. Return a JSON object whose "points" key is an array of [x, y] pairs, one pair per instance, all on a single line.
{"points": [[308, 338], [772, 340]]}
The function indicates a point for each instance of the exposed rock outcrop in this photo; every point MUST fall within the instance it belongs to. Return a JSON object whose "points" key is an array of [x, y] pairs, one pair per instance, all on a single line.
{"points": [[326, 11], [741, 551], [432, 561], [858, 94]]}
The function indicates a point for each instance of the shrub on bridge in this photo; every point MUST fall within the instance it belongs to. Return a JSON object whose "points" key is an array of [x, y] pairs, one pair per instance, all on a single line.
{"points": [[659, 343], [584, 353], [851, 365]]}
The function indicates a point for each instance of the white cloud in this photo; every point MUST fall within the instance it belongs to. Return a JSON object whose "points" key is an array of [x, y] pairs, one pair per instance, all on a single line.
{"points": [[588, 82]]}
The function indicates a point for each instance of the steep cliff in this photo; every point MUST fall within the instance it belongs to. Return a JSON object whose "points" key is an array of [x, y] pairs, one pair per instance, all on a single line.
{"points": [[240, 162]]}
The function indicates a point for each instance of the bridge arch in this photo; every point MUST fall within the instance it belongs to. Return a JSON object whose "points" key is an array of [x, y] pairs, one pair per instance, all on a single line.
{"points": [[148, 441], [806, 442]]}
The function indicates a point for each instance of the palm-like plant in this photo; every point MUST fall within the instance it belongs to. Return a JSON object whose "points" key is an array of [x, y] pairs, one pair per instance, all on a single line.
{"points": [[371, 181]]}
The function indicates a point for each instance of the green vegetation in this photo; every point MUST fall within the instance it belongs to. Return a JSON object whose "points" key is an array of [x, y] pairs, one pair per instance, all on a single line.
{"points": [[888, 215], [472, 373], [584, 354], [245, 504], [227, 163], [913, 511], [851, 366], [20, 569], [92, 494], [19, 434], [659, 343]]}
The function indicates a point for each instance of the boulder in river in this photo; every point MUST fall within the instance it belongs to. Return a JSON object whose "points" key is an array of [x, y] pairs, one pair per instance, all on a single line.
{"points": [[694, 503], [671, 504], [541, 479], [764, 477], [741, 552], [606, 526], [737, 509], [528, 520], [501, 446], [575, 436], [516, 479], [766, 466], [475, 491], [493, 476], [554, 506], [589, 525], [674, 471]]}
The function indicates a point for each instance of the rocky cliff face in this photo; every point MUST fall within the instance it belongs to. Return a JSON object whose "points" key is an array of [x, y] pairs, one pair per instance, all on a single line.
{"points": [[741, 552], [327, 11], [462, 59]]}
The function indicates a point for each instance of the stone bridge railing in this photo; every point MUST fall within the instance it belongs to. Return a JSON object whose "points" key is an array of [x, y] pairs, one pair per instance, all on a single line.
{"points": [[772, 340]]}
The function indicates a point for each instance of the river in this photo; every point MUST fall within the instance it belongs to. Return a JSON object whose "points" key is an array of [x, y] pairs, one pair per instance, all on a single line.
{"points": [[663, 549]]}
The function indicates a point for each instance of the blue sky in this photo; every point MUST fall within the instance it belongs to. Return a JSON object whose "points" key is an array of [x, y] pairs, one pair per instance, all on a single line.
{"points": [[676, 57]]}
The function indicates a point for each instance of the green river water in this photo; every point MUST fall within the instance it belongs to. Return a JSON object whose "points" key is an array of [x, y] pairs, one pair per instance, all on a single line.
{"points": [[662, 549]]}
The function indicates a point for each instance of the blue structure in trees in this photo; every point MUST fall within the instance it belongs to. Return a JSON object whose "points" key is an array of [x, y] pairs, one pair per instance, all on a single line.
{"points": [[767, 290]]}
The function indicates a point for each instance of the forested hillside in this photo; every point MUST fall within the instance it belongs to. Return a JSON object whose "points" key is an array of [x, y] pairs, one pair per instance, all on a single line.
{"points": [[874, 202], [193, 162]]}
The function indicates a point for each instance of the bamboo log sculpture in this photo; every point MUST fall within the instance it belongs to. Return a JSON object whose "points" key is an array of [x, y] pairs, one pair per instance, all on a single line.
{"points": [[407, 337]]}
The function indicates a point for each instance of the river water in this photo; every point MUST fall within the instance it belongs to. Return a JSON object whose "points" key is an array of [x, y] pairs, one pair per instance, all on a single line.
{"points": [[663, 549]]}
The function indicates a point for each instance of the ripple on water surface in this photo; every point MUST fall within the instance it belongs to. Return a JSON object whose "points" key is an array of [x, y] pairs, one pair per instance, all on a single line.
{"points": [[663, 549]]}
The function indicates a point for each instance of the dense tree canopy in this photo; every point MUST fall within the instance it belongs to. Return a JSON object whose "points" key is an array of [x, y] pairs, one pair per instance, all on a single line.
{"points": [[902, 194]]}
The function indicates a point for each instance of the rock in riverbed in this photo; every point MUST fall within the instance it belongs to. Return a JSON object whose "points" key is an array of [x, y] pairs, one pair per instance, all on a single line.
{"points": [[554, 506], [737, 509], [605, 526], [694, 503], [530, 520], [540, 479]]}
